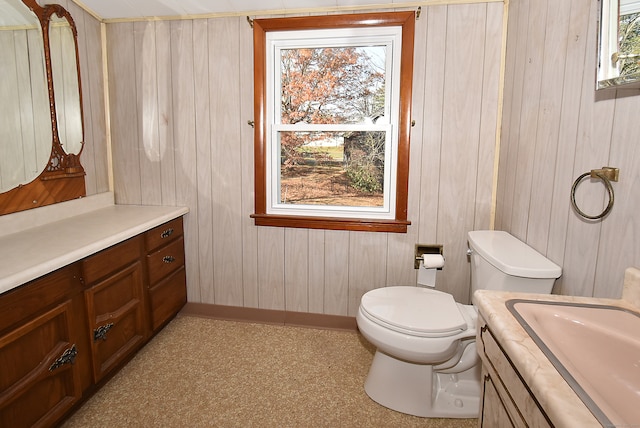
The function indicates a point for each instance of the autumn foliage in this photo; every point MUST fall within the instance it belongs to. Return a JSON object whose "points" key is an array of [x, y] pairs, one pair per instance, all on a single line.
{"points": [[326, 86]]}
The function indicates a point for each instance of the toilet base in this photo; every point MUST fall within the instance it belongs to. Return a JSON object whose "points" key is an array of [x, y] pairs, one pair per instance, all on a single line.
{"points": [[416, 390]]}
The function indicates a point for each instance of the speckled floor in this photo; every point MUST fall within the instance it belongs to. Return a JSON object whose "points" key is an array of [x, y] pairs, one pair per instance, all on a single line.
{"points": [[200, 372]]}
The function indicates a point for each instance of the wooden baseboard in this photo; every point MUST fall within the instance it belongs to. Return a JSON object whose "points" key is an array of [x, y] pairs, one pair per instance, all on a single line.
{"points": [[270, 316]]}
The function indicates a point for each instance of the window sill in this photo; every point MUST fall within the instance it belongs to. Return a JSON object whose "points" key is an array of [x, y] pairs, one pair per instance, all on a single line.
{"points": [[332, 223]]}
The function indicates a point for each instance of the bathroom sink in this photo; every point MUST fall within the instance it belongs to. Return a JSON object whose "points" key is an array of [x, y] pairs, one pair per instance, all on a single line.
{"points": [[596, 348]]}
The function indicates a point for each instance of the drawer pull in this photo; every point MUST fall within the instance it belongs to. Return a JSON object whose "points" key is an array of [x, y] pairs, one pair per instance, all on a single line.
{"points": [[167, 233], [100, 333], [67, 357], [168, 259]]}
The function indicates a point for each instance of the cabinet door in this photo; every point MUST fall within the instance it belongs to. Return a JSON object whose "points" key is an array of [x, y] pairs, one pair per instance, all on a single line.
{"points": [[494, 413], [116, 313], [167, 297], [38, 378]]}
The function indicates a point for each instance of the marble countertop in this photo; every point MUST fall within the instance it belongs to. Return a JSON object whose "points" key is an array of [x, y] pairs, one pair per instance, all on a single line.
{"points": [[31, 252], [559, 401]]}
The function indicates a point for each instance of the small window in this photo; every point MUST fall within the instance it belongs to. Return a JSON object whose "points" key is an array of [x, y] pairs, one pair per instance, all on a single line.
{"points": [[332, 117]]}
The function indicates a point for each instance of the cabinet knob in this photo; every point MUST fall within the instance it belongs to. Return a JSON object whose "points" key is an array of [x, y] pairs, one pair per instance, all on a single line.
{"points": [[167, 233], [67, 357], [100, 333], [168, 259]]}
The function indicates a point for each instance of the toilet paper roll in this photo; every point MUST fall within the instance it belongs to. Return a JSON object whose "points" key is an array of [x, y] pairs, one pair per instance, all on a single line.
{"points": [[432, 261]]}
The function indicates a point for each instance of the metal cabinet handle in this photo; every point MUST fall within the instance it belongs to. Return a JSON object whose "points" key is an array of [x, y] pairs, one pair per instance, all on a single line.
{"points": [[168, 259], [67, 357], [100, 333], [167, 233]]}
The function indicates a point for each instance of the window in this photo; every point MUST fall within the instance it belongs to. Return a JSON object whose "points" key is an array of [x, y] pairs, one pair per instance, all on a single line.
{"points": [[619, 44], [332, 121]]}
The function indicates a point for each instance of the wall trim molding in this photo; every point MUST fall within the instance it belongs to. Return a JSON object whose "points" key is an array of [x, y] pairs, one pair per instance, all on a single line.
{"points": [[270, 316]]}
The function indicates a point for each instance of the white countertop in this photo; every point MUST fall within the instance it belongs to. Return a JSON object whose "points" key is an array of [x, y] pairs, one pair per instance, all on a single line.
{"points": [[557, 398], [35, 251]]}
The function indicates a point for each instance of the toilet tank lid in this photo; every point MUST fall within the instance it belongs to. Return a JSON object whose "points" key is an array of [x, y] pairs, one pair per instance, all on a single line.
{"points": [[511, 255]]}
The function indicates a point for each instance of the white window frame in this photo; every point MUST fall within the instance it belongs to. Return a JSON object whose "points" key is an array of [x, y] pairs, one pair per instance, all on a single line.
{"points": [[276, 41]]}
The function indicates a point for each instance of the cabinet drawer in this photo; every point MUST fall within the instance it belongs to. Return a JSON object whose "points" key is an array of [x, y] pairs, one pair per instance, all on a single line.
{"points": [[168, 297], [26, 301], [111, 259], [38, 385], [165, 260], [163, 234], [511, 387]]}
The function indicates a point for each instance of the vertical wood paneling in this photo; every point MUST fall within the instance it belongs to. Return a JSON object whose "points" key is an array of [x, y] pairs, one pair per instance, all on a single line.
{"points": [[489, 115], [574, 65], [204, 100], [620, 234], [593, 129], [517, 36], [367, 266], [528, 116], [548, 126], [165, 114], [184, 131], [207, 263], [124, 113], [224, 75], [316, 271], [502, 208], [271, 259], [147, 102], [460, 130], [431, 114], [336, 272], [296, 270]]}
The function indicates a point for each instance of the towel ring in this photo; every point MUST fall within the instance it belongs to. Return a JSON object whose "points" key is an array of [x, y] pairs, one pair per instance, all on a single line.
{"points": [[606, 174]]}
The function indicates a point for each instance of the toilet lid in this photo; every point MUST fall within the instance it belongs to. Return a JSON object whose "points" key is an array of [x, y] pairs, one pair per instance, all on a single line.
{"points": [[415, 310]]}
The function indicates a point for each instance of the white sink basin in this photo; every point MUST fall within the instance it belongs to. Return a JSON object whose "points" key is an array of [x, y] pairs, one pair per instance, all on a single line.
{"points": [[595, 348]]}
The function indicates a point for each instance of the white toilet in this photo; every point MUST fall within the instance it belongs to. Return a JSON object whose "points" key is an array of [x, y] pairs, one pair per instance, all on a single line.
{"points": [[426, 362]]}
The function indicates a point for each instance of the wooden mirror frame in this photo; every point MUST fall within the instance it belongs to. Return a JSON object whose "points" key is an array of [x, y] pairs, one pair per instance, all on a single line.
{"points": [[63, 176]]}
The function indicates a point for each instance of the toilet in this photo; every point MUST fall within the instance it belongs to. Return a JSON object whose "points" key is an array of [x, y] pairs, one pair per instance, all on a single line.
{"points": [[426, 362]]}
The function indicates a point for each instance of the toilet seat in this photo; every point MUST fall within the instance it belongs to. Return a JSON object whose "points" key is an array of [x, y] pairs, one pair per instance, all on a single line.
{"points": [[415, 311]]}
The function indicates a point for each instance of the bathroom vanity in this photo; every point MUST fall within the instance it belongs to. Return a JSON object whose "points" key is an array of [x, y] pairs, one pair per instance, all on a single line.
{"points": [[79, 296], [523, 383]]}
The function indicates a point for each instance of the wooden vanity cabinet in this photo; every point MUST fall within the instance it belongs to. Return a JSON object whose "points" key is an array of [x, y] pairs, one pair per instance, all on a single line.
{"points": [[115, 304], [44, 351], [166, 272], [64, 333], [506, 400]]}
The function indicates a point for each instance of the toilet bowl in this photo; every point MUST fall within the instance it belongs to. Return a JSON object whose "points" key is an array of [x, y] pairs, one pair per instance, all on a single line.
{"points": [[426, 363]]}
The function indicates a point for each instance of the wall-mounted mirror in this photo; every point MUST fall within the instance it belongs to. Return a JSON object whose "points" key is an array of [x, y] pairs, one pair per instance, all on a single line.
{"points": [[64, 67], [41, 127], [25, 125], [619, 44]]}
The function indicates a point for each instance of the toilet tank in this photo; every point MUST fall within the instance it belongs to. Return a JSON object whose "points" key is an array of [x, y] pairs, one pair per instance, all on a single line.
{"points": [[500, 261]]}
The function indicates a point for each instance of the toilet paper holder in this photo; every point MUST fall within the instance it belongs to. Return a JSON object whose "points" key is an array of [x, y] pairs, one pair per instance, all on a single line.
{"points": [[422, 249]]}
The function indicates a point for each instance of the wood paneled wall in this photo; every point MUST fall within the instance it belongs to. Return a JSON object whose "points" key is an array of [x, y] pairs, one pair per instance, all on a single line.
{"points": [[180, 98], [556, 127]]}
